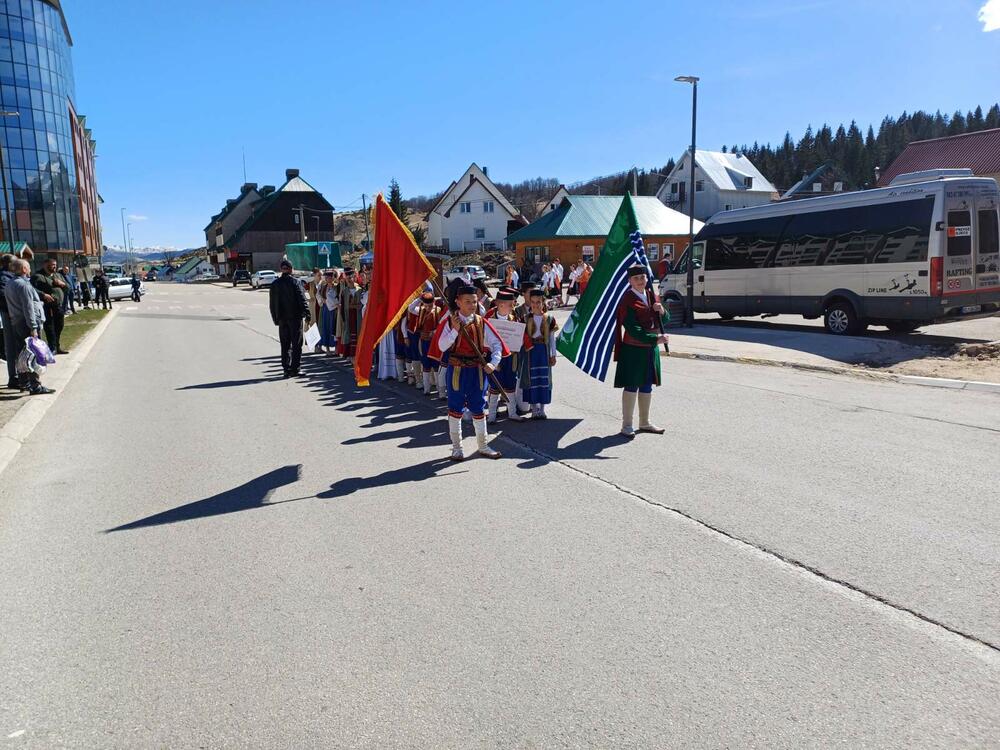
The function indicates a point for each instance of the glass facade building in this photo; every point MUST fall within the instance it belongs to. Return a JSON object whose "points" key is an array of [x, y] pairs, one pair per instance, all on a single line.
{"points": [[48, 154]]}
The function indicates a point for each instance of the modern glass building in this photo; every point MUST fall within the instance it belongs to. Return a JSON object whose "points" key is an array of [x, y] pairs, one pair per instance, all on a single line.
{"points": [[49, 198]]}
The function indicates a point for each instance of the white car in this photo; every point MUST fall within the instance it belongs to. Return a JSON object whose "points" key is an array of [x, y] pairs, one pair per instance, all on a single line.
{"points": [[262, 278], [475, 272], [208, 277], [121, 288]]}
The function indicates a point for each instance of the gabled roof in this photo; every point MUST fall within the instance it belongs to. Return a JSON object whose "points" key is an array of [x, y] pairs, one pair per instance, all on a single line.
{"points": [[979, 151], [726, 171], [294, 184], [189, 265], [554, 198], [18, 247], [592, 216], [471, 176], [825, 172], [231, 205]]}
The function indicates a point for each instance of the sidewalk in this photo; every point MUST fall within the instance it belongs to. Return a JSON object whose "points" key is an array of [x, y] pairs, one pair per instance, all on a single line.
{"points": [[905, 358]]}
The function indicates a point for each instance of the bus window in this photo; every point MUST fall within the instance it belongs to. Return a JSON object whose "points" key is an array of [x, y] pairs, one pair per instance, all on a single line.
{"points": [[989, 236], [959, 233]]}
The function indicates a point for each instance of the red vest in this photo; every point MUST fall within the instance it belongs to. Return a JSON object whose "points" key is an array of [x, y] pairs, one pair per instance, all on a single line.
{"points": [[644, 314]]}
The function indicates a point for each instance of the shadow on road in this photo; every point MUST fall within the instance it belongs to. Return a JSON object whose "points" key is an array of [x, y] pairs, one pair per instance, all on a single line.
{"points": [[253, 494], [418, 473], [224, 384]]}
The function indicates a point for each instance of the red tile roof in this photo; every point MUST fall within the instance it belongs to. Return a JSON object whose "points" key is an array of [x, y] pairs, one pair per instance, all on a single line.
{"points": [[979, 151]]}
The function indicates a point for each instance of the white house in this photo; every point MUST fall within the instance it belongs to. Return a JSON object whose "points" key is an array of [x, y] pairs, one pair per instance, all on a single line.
{"points": [[472, 215], [722, 182], [555, 201], [192, 269]]}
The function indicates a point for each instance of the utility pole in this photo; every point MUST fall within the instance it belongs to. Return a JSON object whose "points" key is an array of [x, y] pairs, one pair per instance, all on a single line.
{"points": [[302, 223], [364, 210], [635, 181]]}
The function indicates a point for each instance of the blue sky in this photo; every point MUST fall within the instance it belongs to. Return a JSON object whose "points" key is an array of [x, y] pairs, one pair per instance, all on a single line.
{"points": [[354, 94]]}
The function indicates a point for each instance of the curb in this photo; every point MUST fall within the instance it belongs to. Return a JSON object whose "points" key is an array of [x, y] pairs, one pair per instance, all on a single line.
{"points": [[960, 385], [26, 418]]}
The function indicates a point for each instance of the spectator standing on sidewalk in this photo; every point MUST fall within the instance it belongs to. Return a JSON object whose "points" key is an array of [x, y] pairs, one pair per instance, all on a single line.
{"points": [[8, 328], [69, 300], [289, 308], [101, 290], [85, 293], [26, 317], [51, 288]]}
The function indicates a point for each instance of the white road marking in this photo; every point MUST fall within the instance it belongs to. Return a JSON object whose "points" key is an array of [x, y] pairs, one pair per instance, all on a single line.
{"points": [[18, 733]]}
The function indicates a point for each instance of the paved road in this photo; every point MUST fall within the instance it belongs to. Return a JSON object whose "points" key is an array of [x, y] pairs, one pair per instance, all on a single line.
{"points": [[220, 558]]}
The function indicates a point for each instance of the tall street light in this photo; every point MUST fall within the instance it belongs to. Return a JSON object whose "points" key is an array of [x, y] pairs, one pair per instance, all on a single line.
{"points": [[693, 80], [124, 235], [9, 233]]}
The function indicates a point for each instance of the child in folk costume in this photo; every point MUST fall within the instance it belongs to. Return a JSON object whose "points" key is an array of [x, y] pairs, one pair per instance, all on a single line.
{"points": [[426, 314], [522, 311], [399, 334], [540, 355], [637, 351], [349, 315], [475, 350], [442, 370], [506, 373], [415, 374]]}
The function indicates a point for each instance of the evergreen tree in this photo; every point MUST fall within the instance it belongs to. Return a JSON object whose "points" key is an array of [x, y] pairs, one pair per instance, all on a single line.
{"points": [[993, 117], [396, 201]]}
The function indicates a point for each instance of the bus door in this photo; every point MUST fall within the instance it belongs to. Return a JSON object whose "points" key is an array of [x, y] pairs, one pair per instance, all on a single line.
{"points": [[987, 239], [960, 255]]}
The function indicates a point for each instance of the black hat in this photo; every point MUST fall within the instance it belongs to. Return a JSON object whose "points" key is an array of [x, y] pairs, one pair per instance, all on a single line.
{"points": [[465, 289], [509, 289], [536, 293], [349, 272], [285, 263], [525, 285], [506, 295], [637, 270]]}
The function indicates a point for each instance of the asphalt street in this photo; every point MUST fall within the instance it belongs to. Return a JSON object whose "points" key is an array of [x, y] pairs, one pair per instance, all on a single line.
{"points": [[197, 553]]}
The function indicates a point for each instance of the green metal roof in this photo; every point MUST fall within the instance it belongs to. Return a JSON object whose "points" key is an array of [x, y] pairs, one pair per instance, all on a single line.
{"points": [[18, 247], [189, 265], [592, 216]]}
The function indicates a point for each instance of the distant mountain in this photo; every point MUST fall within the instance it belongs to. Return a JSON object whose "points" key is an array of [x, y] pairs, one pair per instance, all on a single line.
{"points": [[116, 254]]}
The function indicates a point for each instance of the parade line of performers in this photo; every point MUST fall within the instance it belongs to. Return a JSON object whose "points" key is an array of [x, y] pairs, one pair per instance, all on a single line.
{"points": [[450, 347]]}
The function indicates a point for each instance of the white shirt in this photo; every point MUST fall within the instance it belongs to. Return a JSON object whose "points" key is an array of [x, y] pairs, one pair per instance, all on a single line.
{"points": [[558, 270], [449, 335], [515, 280], [549, 280], [551, 343]]}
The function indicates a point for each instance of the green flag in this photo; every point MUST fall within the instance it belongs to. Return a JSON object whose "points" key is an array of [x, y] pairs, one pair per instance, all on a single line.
{"points": [[589, 335]]}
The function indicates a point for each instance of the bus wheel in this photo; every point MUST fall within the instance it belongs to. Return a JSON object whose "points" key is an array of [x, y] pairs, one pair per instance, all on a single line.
{"points": [[903, 326], [841, 320]]}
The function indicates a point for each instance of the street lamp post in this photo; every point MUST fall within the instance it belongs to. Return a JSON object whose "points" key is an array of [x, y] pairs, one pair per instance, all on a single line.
{"points": [[124, 235], [9, 221], [693, 80]]}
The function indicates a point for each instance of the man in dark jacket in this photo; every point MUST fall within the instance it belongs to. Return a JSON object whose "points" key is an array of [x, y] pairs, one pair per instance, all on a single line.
{"points": [[51, 288], [101, 290], [9, 345], [289, 307]]}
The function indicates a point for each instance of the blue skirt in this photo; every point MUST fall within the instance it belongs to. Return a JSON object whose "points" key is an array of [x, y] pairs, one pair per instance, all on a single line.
{"points": [[506, 374], [536, 375], [327, 327]]}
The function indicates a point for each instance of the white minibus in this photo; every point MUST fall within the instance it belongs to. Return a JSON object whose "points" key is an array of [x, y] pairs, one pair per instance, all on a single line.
{"points": [[925, 249]]}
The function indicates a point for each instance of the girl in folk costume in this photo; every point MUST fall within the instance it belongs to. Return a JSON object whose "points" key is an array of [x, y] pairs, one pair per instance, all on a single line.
{"points": [[327, 294], [349, 314], [399, 340], [426, 315], [637, 351], [475, 350], [540, 356], [312, 289], [506, 373]]}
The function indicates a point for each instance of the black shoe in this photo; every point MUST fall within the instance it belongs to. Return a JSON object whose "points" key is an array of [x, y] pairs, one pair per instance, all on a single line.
{"points": [[296, 374], [13, 386], [286, 374], [62, 351], [40, 390]]}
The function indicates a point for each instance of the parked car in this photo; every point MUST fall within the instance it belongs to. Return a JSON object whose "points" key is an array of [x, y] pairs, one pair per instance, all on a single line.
{"points": [[208, 277], [151, 276], [121, 288], [475, 272], [262, 278], [241, 275]]}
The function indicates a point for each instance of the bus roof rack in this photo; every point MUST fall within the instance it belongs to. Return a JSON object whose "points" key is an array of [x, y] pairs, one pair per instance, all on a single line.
{"points": [[908, 178]]}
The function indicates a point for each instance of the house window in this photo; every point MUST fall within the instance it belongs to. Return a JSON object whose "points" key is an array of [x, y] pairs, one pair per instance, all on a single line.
{"points": [[673, 188], [480, 234], [699, 186], [536, 254], [653, 251], [748, 182], [487, 207], [729, 206], [465, 207]]}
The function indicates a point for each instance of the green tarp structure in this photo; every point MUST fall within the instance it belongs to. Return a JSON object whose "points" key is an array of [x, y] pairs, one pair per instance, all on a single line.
{"points": [[308, 255]]}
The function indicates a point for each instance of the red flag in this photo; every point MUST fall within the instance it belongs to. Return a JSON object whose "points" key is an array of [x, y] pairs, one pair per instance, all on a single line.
{"points": [[399, 272]]}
